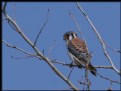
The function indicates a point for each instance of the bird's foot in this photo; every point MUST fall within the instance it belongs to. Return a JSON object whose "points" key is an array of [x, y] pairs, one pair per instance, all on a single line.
{"points": [[79, 66], [71, 65]]}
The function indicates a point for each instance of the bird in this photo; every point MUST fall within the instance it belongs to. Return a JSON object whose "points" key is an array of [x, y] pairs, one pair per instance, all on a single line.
{"points": [[77, 51]]}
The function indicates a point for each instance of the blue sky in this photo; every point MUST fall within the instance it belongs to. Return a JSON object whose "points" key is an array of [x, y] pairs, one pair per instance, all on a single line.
{"points": [[34, 74]]}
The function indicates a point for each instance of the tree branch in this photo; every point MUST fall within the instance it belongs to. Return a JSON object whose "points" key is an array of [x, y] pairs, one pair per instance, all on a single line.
{"points": [[18, 30], [70, 72], [100, 39], [108, 79], [19, 49], [49, 52], [73, 65], [4, 7], [42, 28], [111, 47]]}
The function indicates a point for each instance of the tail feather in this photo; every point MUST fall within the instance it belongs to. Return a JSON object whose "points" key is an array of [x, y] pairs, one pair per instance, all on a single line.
{"points": [[92, 70]]}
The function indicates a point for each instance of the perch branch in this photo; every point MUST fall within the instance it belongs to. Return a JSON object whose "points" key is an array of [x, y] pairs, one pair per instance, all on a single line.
{"points": [[73, 65], [86, 73]]}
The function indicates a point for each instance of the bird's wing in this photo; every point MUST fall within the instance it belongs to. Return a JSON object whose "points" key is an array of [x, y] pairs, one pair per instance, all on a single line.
{"points": [[78, 49]]}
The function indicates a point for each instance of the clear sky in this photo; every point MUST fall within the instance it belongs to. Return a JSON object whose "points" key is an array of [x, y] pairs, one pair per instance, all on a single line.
{"points": [[34, 74]]}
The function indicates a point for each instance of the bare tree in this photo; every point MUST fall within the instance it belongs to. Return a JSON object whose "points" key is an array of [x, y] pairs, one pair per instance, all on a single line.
{"points": [[41, 56]]}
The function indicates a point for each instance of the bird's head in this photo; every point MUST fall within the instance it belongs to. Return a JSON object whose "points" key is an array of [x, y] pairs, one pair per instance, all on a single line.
{"points": [[69, 35]]}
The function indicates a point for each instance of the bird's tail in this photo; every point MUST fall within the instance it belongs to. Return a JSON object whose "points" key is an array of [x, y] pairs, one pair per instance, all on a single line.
{"points": [[92, 69]]}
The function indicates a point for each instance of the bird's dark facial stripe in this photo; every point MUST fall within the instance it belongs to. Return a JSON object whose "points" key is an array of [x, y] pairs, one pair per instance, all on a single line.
{"points": [[72, 35]]}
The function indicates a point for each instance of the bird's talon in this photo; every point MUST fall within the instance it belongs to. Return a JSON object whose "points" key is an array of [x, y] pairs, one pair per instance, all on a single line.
{"points": [[71, 65]]}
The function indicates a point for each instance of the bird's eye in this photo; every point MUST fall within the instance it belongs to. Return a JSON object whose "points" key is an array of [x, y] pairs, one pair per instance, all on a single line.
{"points": [[67, 35]]}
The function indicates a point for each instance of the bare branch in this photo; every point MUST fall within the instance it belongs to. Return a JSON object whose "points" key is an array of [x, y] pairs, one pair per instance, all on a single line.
{"points": [[62, 63], [86, 78], [42, 27], [4, 7], [21, 57], [70, 72], [82, 83], [14, 12], [100, 39], [110, 88], [19, 49], [105, 67], [108, 79], [12, 25], [73, 65], [111, 47], [49, 52], [38, 52], [22, 50], [78, 27]]}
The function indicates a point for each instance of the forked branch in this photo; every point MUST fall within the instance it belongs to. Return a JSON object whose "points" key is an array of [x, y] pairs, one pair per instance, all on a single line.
{"points": [[39, 53], [100, 39]]}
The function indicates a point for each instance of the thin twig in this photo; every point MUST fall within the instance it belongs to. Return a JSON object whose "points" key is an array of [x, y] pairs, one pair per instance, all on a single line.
{"points": [[108, 79], [89, 57], [22, 50], [42, 27], [105, 67], [100, 39], [49, 52], [14, 12], [82, 83], [87, 80], [78, 27], [111, 47], [70, 72], [62, 63], [22, 57], [11, 25], [4, 7], [110, 88], [19, 49]]}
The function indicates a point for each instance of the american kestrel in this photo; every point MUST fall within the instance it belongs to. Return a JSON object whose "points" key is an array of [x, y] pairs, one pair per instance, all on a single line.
{"points": [[77, 51]]}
